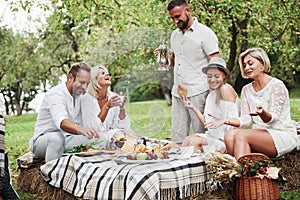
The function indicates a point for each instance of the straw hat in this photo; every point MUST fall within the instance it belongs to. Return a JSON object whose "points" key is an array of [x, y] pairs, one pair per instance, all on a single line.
{"points": [[216, 62]]}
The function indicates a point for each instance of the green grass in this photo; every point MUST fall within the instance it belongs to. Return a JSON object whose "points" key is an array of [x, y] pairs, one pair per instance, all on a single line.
{"points": [[149, 118]]}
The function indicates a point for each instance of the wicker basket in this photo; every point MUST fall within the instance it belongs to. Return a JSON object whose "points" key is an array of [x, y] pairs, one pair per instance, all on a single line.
{"points": [[256, 188]]}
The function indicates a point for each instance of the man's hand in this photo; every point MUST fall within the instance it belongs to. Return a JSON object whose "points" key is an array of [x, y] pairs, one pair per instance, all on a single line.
{"points": [[155, 52], [215, 123], [90, 133]]}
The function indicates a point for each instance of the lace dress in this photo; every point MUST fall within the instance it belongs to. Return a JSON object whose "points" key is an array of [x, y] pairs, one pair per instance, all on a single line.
{"points": [[274, 98]]}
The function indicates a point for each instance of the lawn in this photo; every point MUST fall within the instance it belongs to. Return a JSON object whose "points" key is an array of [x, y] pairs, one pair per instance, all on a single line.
{"points": [[150, 118]]}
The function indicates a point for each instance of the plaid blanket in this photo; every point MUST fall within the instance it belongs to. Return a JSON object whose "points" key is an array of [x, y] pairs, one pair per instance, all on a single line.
{"points": [[100, 177], [2, 146]]}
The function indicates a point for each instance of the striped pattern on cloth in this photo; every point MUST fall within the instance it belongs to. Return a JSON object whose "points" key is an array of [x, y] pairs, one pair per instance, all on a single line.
{"points": [[2, 146], [99, 177]]}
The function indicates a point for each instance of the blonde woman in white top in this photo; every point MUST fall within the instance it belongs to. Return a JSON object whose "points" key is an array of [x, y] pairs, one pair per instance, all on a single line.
{"points": [[265, 105], [103, 109]]}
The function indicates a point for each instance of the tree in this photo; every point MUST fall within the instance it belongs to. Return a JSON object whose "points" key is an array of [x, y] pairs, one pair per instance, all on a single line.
{"points": [[267, 24], [123, 34], [19, 75]]}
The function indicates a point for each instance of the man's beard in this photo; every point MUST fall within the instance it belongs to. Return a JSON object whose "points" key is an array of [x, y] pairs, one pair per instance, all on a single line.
{"points": [[74, 93], [185, 23]]}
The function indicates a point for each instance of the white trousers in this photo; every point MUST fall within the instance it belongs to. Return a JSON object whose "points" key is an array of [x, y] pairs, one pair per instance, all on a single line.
{"points": [[183, 118], [52, 145]]}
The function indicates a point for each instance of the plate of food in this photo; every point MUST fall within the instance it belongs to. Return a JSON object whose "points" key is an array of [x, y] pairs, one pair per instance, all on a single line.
{"points": [[125, 160], [86, 149], [88, 153], [144, 154]]}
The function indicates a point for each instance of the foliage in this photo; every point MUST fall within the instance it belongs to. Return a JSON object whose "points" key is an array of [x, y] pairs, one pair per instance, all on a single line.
{"points": [[243, 24], [123, 34], [262, 168], [19, 71], [85, 147]]}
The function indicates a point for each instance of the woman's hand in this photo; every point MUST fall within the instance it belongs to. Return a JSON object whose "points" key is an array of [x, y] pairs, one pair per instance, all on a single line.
{"points": [[262, 113], [215, 123], [187, 103], [114, 101], [258, 111]]}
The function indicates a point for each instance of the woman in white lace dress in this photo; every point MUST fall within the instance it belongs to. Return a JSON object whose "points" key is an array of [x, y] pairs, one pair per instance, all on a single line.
{"points": [[221, 102], [265, 105]]}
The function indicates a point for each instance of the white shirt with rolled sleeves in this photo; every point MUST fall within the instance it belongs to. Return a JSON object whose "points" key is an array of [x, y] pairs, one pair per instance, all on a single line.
{"points": [[57, 105], [191, 54]]}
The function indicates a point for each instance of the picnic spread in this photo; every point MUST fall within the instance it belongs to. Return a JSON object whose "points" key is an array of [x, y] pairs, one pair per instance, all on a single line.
{"points": [[102, 175]]}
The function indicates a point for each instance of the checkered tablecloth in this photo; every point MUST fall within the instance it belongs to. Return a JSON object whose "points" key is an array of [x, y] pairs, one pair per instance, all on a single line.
{"points": [[101, 177]]}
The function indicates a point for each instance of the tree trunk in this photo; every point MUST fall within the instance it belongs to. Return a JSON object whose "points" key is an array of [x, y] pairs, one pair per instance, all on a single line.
{"points": [[240, 82], [233, 45]]}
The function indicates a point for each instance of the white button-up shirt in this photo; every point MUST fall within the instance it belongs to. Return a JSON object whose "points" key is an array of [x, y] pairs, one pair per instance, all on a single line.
{"points": [[191, 50], [57, 105]]}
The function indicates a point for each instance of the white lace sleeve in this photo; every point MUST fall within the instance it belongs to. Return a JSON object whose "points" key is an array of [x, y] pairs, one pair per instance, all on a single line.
{"points": [[232, 110], [245, 118], [279, 95]]}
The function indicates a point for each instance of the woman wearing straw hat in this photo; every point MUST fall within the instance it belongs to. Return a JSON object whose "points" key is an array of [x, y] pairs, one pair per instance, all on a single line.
{"points": [[221, 102]]}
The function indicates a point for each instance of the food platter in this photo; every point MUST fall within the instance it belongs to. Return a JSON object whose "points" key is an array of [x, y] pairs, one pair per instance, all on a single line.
{"points": [[93, 152], [128, 161], [124, 160], [89, 153]]}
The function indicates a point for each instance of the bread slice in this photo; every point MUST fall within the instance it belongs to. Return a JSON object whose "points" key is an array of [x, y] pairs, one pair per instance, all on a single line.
{"points": [[182, 91]]}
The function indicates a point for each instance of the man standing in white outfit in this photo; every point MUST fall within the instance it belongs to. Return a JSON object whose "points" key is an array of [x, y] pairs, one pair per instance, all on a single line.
{"points": [[57, 129], [193, 45]]}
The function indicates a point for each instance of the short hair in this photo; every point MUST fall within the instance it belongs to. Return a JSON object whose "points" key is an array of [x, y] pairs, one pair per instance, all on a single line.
{"points": [[257, 53], [76, 67], [173, 3], [94, 86]]}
